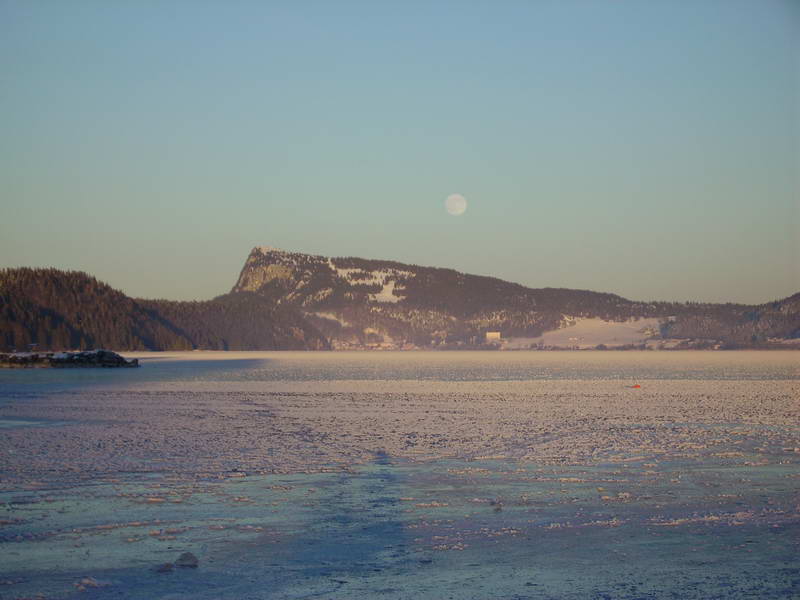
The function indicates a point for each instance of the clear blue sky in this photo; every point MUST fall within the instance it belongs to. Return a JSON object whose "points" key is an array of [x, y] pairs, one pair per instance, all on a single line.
{"points": [[648, 148]]}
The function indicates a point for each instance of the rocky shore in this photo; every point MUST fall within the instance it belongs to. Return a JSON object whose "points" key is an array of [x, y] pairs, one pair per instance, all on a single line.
{"points": [[89, 358]]}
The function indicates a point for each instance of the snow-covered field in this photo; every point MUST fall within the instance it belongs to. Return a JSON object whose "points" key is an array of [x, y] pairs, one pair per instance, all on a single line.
{"points": [[589, 333]]}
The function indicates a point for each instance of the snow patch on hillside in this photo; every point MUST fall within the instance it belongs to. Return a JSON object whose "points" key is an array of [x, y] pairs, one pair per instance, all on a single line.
{"points": [[386, 294], [387, 278], [588, 333], [332, 317]]}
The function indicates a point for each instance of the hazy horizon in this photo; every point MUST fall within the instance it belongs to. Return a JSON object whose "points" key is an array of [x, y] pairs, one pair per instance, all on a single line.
{"points": [[649, 150]]}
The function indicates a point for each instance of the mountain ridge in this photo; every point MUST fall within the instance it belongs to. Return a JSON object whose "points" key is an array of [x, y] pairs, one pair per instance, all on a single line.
{"points": [[294, 301], [399, 304]]}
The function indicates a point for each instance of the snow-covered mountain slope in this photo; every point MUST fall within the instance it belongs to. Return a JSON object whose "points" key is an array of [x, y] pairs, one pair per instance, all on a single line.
{"points": [[356, 301]]}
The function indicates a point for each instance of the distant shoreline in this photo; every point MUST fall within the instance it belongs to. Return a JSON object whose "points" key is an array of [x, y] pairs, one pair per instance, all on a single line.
{"points": [[97, 359]]}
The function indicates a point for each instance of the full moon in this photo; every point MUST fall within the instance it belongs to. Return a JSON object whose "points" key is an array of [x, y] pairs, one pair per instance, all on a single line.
{"points": [[455, 204]]}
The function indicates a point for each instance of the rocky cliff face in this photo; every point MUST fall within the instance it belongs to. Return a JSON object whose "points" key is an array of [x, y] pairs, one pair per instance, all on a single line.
{"points": [[310, 281]]}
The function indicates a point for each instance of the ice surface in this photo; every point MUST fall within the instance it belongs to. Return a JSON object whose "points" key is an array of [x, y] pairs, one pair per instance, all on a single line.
{"points": [[405, 475]]}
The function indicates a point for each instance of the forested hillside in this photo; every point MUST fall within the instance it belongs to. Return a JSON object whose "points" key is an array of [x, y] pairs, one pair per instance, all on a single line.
{"points": [[736, 324], [242, 321], [72, 310], [60, 310]]}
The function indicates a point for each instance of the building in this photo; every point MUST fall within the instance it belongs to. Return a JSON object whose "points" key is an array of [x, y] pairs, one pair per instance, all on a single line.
{"points": [[493, 336]]}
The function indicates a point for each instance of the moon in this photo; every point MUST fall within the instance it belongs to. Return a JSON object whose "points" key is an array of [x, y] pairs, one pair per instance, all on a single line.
{"points": [[455, 204]]}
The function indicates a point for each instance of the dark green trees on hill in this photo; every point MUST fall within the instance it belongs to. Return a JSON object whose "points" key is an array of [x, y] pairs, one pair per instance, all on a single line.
{"points": [[72, 310], [242, 321]]}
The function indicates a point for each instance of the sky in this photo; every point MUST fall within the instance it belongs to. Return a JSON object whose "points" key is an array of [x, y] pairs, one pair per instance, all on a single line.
{"points": [[646, 148]]}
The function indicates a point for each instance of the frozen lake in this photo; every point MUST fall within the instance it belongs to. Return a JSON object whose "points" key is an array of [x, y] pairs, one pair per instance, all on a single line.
{"points": [[485, 475]]}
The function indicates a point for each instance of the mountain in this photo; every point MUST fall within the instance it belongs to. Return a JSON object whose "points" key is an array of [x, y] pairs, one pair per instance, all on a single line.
{"points": [[357, 302], [294, 301], [72, 310]]}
